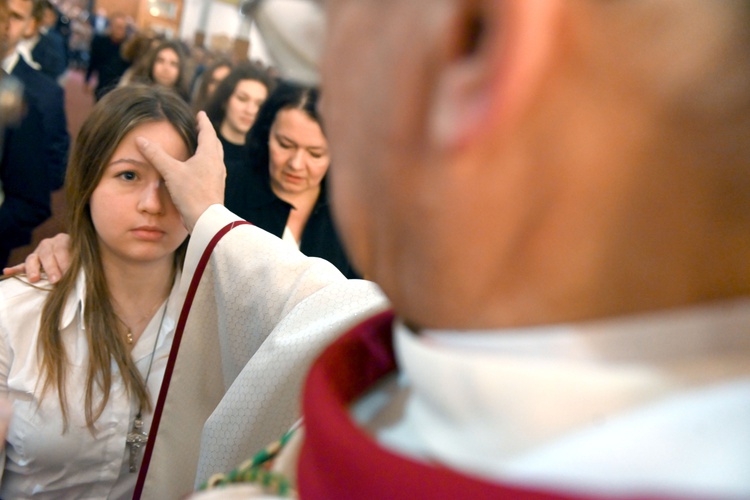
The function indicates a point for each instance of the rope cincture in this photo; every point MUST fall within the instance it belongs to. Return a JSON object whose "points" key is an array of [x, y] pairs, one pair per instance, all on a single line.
{"points": [[256, 470]]}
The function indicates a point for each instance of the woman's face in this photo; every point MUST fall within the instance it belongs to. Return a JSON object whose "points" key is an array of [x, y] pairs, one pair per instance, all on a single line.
{"points": [[243, 105], [298, 153], [134, 217], [166, 69]]}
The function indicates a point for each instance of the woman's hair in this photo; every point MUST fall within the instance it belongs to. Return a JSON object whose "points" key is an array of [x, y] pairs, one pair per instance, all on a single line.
{"points": [[138, 45], [286, 96], [201, 97], [118, 113], [216, 108], [145, 73]]}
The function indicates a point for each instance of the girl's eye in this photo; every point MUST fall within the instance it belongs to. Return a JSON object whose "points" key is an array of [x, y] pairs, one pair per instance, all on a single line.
{"points": [[128, 175]]}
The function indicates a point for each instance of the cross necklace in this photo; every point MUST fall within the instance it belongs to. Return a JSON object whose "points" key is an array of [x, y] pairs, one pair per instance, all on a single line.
{"points": [[137, 438]]}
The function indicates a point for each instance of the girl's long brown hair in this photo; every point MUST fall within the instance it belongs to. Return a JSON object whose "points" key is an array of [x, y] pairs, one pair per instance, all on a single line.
{"points": [[119, 112]]}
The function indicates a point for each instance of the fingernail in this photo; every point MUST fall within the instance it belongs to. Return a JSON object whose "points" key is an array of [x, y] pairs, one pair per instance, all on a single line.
{"points": [[53, 278], [141, 141]]}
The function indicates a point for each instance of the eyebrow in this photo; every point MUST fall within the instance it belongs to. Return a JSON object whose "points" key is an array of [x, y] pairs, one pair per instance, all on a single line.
{"points": [[129, 161]]}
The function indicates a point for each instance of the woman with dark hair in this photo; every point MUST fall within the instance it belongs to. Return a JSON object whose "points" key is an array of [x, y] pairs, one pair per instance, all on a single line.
{"points": [[232, 110], [165, 65], [82, 361], [208, 80], [281, 187]]}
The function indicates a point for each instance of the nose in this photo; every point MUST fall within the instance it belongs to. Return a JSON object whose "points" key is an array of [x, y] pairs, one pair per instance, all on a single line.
{"points": [[153, 197], [297, 159]]}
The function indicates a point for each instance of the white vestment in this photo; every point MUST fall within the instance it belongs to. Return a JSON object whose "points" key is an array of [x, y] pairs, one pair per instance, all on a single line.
{"points": [[261, 313]]}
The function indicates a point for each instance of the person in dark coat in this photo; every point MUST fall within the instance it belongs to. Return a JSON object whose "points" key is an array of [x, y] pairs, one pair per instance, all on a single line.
{"points": [[46, 46], [106, 60], [24, 179]]}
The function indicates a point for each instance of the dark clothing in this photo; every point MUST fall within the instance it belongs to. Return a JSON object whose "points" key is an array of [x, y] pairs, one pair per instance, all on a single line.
{"points": [[50, 53], [23, 174], [235, 157], [106, 61], [49, 98], [249, 195]]}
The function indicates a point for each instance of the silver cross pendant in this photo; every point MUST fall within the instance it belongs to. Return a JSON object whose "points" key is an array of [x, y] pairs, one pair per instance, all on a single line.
{"points": [[135, 440]]}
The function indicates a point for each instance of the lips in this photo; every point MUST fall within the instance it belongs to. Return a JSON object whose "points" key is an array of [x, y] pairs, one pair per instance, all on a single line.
{"points": [[293, 178], [148, 233]]}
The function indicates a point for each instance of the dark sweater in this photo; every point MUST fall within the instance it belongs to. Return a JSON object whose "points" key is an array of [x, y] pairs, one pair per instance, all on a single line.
{"points": [[107, 63], [249, 195]]}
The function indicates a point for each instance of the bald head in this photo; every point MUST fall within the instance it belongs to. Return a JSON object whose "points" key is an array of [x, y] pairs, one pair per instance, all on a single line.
{"points": [[534, 161]]}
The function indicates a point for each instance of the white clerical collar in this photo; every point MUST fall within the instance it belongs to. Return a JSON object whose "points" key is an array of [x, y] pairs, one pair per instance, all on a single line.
{"points": [[496, 402]]}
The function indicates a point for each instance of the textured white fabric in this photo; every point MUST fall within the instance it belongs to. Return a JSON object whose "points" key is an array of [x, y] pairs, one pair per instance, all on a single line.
{"points": [[657, 403], [41, 460], [269, 310]]}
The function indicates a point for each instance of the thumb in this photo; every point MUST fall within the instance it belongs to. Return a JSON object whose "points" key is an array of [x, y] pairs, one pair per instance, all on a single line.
{"points": [[154, 153]]}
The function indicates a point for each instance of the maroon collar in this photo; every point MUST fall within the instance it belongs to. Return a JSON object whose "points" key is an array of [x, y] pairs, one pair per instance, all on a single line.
{"points": [[339, 460]]}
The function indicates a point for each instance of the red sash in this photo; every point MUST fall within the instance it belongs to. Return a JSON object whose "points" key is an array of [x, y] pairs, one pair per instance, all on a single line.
{"points": [[338, 460]]}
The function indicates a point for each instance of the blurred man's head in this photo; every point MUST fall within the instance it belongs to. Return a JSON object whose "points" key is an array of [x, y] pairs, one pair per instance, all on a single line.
{"points": [[118, 27], [50, 15], [3, 27], [512, 162], [19, 19]]}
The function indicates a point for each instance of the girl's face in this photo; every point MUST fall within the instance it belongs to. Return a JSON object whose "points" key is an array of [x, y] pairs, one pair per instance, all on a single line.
{"points": [[134, 217], [298, 153], [166, 69], [243, 105]]}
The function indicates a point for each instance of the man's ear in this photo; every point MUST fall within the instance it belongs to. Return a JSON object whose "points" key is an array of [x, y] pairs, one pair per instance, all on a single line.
{"points": [[495, 54]]}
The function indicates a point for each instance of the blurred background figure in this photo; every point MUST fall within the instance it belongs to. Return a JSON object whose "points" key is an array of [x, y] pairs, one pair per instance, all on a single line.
{"points": [[35, 155], [43, 43], [105, 60], [165, 65], [232, 110], [137, 51], [205, 83]]}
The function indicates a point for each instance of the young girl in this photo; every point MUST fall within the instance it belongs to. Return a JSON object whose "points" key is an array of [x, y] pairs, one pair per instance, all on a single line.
{"points": [[82, 361], [165, 65], [232, 110]]}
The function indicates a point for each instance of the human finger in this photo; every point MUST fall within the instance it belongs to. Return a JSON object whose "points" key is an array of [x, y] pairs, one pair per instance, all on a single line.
{"points": [[12, 270], [51, 256]]}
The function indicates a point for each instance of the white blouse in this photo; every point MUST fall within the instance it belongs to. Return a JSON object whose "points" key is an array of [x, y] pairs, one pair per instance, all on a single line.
{"points": [[39, 458]]}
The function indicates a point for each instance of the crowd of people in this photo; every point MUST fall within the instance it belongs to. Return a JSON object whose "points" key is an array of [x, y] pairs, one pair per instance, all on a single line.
{"points": [[551, 200], [36, 52]]}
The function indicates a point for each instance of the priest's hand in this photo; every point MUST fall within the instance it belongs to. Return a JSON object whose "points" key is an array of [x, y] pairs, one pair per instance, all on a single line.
{"points": [[194, 184]]}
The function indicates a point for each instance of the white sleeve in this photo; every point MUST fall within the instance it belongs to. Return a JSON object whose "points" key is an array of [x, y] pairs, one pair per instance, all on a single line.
{"points": [[275, 310]]}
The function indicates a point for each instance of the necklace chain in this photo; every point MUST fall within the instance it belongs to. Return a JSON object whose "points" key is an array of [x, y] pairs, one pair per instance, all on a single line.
{"points": [[129, 334], [137, 438]]}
